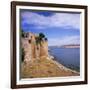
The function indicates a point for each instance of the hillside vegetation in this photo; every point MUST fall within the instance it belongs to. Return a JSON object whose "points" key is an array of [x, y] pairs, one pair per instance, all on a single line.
{"points": [[45, 67]]}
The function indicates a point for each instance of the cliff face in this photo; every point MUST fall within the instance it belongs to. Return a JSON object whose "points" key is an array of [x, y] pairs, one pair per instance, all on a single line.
{"points": [[32, 49]]}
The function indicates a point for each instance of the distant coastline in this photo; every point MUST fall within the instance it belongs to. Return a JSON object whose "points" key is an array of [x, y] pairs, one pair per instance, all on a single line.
{"points": [[71, 46], [68, 46]]}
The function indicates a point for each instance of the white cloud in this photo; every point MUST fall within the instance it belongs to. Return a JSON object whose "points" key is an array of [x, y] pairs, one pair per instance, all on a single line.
{"points": [[55, 20], [64, 41]]}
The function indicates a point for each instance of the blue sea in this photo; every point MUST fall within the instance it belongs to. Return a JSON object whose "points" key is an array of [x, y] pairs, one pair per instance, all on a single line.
{"points": [[69, 57]]}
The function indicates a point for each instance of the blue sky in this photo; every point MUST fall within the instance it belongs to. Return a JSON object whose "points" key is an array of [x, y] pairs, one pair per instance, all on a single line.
{"points": [[60, 28]]}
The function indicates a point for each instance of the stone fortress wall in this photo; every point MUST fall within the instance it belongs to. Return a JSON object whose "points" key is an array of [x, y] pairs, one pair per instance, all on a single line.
{"points": [[32, 50]]}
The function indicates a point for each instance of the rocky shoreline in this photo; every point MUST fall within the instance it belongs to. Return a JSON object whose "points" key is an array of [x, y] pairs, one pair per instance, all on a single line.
{"points": [[60, 65]]}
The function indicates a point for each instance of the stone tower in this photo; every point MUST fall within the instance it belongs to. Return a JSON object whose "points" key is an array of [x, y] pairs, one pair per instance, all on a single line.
{"points": [[44, 48]]}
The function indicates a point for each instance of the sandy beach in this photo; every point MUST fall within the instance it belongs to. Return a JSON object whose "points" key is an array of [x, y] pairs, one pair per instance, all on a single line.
{"points": [[45, 67]]}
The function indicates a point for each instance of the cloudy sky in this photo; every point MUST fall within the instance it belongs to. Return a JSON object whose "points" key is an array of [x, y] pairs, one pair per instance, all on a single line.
{"points": [[60, 28]]}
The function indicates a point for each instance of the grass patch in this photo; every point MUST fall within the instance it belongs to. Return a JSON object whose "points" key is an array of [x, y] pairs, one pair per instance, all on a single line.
{"points": [[43, 68]]}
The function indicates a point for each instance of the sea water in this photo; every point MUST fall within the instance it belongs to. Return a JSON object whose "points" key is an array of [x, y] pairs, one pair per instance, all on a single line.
{"points": [[69, 57]]}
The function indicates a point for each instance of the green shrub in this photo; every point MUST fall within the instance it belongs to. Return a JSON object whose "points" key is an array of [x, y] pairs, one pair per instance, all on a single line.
{"points": [[22, 33], [22, 54]]}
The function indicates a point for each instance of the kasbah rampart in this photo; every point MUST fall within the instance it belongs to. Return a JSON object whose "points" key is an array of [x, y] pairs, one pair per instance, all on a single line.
{"points": [[34, 49]]}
